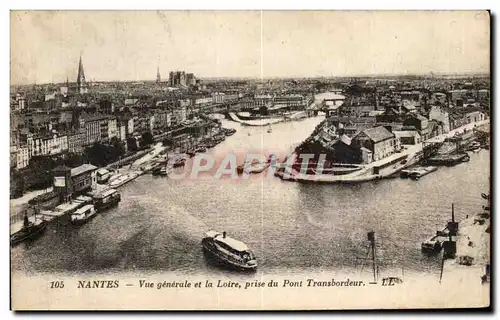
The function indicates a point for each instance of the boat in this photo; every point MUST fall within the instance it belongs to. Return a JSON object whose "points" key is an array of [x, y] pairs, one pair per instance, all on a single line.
{"points": [[83, 215], [474, 147], [30, 230], [106, 200], [200, 149], [432, 245], [228, 252], [269, 129], [419, 172], [161, 171], [229, 132], [179, 162]]}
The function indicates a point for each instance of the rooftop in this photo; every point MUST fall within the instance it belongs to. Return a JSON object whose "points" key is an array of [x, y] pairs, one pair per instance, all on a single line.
{"points": [[82, 169], [378, 134]]}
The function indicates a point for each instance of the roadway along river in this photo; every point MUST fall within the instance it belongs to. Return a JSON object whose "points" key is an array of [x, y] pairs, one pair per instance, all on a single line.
{"points": [[291, 227]]}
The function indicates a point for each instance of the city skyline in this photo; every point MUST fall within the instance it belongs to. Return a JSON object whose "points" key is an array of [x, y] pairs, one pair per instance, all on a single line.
{"points": [[130, 46]]}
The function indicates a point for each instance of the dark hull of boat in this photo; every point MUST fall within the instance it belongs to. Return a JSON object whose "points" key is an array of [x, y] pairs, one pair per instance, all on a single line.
{"points": [[21, 236], [179, 164], [81, 222], [220, 261]]}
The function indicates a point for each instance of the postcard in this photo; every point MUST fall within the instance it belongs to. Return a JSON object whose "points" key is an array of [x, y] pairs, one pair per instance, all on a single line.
{"points": [[250, 160]]}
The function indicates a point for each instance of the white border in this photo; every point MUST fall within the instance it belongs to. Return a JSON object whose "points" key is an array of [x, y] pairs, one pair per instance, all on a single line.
{"points": [[200, 4]]}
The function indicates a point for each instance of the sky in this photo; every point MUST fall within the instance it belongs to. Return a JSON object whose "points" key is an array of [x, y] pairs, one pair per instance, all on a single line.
{"points": [[130, 45]]}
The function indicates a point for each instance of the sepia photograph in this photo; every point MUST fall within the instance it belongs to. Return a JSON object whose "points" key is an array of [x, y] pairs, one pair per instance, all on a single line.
{"points": [[250, 160]]}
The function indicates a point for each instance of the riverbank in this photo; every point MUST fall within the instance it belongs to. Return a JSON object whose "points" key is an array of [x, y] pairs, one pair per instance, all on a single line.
{"points": [[473, 247], [381, 169]]}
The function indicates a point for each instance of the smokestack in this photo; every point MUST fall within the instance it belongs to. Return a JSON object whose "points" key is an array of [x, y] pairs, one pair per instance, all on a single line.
{"points": [[452, 213], [224, 234]]}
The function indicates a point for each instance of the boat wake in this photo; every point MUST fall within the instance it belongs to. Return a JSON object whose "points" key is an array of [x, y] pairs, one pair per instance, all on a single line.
{"points": [[311, 221]]}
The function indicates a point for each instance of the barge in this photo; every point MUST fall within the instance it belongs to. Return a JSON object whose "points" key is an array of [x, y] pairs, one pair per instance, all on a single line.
{"points": [[107, 199], [418, 172]]}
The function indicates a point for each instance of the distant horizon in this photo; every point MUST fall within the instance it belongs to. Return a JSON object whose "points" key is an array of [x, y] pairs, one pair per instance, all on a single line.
{"points": [[131, 45], [435, 74]]}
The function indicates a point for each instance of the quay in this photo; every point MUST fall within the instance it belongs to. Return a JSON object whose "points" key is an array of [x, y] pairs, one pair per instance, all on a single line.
{"points": [[381, 169]]}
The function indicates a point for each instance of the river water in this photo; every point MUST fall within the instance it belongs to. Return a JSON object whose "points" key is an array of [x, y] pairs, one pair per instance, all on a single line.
{"points": [[291, 227]]}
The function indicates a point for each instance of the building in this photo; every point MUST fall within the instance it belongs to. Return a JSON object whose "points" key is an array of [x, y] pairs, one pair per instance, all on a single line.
{"points": [[76, 141], [378, 140], [440, 114], [162, 119], [190, 79], [47, 145], [179, 114], [218, 97], [177, 79], [70, 183], [351, 126], [475, 116], [408, 137], [22, 157], [98, 127], [113, 131], [291, 100]]}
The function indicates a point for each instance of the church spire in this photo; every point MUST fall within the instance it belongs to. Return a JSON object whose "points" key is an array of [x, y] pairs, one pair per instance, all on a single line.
{"points": [[158, 77], [80, 80]]}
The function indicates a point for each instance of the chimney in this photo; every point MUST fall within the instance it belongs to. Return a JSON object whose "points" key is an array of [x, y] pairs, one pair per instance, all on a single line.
{"points": [[224, 234]]}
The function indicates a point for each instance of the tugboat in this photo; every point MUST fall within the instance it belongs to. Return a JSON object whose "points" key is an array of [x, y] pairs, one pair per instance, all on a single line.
{"points": [[432, 245], [83, 215], [30, 230], [228, 252]]}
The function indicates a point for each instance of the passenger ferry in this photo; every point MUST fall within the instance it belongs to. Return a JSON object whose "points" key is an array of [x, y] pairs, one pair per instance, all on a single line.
{"points": [[228, 252], [106, 200], [83, 215]]}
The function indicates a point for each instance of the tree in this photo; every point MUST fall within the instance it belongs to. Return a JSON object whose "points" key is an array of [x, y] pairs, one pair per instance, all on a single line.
{"points": [[38, 174], [118, 148], [131, 144], [73, 160], [147, 138]]}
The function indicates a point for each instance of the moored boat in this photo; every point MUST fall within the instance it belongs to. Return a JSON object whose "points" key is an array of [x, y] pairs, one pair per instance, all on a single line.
{"points": [[418, 173], [432, 245], [179, 162], [162, 170], [29, 231], [106, 200], [200, 149], [228, 252], [83, 215]]}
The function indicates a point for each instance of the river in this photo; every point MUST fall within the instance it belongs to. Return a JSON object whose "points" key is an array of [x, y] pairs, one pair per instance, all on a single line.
{"points": [[291, 227]]}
